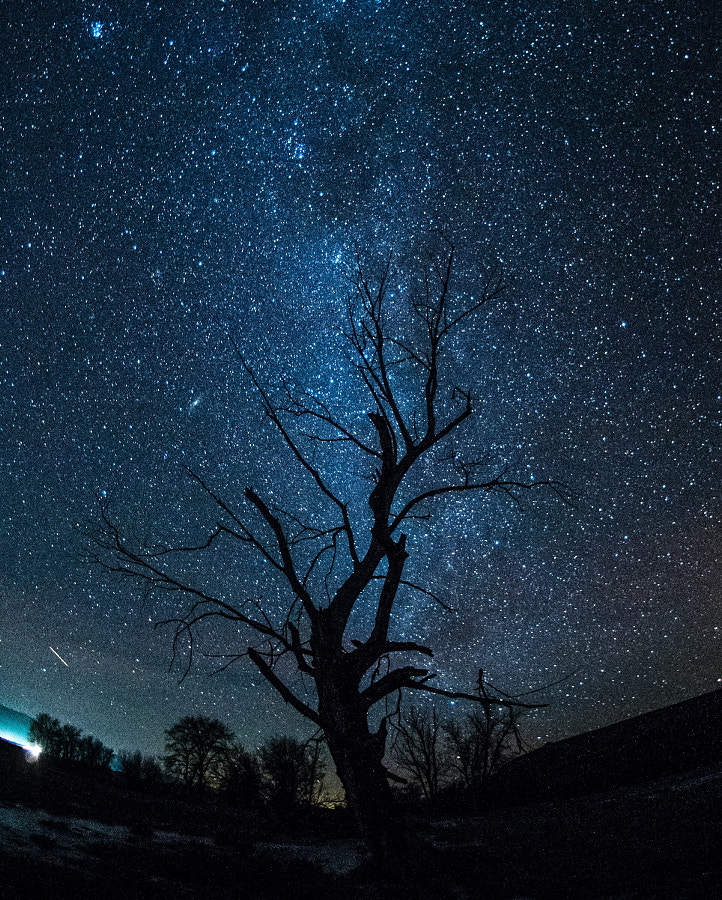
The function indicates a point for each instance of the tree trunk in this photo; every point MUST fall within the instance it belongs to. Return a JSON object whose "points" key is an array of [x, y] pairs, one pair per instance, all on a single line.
{"points": [[358, 754], [368, 794]]}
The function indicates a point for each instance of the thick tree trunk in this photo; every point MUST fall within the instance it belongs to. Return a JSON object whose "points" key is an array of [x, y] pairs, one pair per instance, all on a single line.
{"points": [[368, 795], [358, 755]]}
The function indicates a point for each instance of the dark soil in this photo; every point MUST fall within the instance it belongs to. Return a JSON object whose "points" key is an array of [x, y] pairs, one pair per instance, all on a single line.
{"points": [[661, 840]]}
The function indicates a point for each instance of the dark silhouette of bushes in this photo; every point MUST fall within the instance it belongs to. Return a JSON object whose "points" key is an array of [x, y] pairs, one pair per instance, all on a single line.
{"points": [[67, 743], [284, 774], [243, 781], [197, 750], [294, 772], [140, 769]]}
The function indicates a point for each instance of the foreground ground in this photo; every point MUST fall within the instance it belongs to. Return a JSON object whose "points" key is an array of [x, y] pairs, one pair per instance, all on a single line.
{"points": [[61, 835]]}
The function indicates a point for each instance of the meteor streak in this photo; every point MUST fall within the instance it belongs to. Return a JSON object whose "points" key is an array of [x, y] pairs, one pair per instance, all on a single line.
{"points": [[60, 657]]}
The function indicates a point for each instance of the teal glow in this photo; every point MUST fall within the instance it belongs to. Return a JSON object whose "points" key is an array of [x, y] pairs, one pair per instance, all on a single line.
{"points": [[21, 739]]}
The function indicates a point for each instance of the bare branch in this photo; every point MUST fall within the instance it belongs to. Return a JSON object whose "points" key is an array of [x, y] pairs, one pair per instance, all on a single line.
{"points": [[322, 414], [272, 413], [417, 587], [143, 568], [283, 688], [474, 698], [505, 487]]}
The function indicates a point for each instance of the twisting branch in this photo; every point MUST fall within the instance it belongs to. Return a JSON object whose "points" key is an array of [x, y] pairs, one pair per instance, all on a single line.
{"points": [[421, 590], [287, 566], [314, 408], [504, 487], [282, 688], [143, 568], [273, 414], [369, 341], [474, 698]]}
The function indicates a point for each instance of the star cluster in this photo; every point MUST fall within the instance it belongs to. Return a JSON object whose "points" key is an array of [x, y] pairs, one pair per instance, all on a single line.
{"points": [[173, 175]]}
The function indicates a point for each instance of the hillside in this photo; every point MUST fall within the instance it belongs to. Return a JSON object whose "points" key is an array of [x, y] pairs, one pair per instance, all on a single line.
{"points": [[64, 834], [666, 741], [576, 827]]}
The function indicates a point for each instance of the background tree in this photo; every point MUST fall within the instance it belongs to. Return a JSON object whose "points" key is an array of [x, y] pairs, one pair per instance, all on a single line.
{"points": [[67, 742], [348, 547], [418, 749], [242, 777], [45, 732], [294, 770], [481, 743], [197, 750], [93, 752], [314, 772], [140, 768]]}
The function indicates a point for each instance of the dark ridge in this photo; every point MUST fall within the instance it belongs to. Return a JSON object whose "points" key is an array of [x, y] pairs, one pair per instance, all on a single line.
{"points": [[666, 741]]}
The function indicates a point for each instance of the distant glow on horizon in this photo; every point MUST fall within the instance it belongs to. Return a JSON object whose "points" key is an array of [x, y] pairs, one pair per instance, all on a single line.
{"points": [[21, 740]]}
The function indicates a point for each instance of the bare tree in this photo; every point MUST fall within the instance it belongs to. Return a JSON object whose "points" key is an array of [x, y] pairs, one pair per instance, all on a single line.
{"points": [[138, 767], [67, 742], [196, 751], [485, 738], [481, 743], [295, 771], [242, 776], [70, 742], [45, 731], [93, 752], [349, 548], [314, 772], [418, 749]]}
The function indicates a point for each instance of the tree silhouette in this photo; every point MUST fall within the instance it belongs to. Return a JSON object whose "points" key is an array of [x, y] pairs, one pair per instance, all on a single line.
{"points": [[482, 743], [197, 750], [45, 732], [138, 767], [93, 752], [67, 742], [242, 777], [339, 560], [418, 749], [295, 771]]}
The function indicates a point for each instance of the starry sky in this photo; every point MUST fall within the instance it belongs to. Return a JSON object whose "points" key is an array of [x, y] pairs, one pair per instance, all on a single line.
{"points": [[177, 175]]}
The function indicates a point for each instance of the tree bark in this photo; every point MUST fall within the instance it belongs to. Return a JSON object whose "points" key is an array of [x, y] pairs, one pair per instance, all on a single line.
{"points": [[358, 753]]}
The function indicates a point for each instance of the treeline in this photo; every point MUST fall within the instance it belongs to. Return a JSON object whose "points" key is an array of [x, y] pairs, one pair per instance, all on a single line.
{"points": [[203, 753], [431, 757], [454, 757], [68, 743]]}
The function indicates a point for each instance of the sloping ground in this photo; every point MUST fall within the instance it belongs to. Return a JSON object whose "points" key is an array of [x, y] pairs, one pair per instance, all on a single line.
{"points": [[670, 740], [660, 841], [46, 855], [68, 831], [609, 815], [106, 797]]}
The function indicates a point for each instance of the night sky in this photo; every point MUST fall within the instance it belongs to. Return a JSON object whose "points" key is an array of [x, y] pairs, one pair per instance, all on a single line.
{"points": [[175, 176]]}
